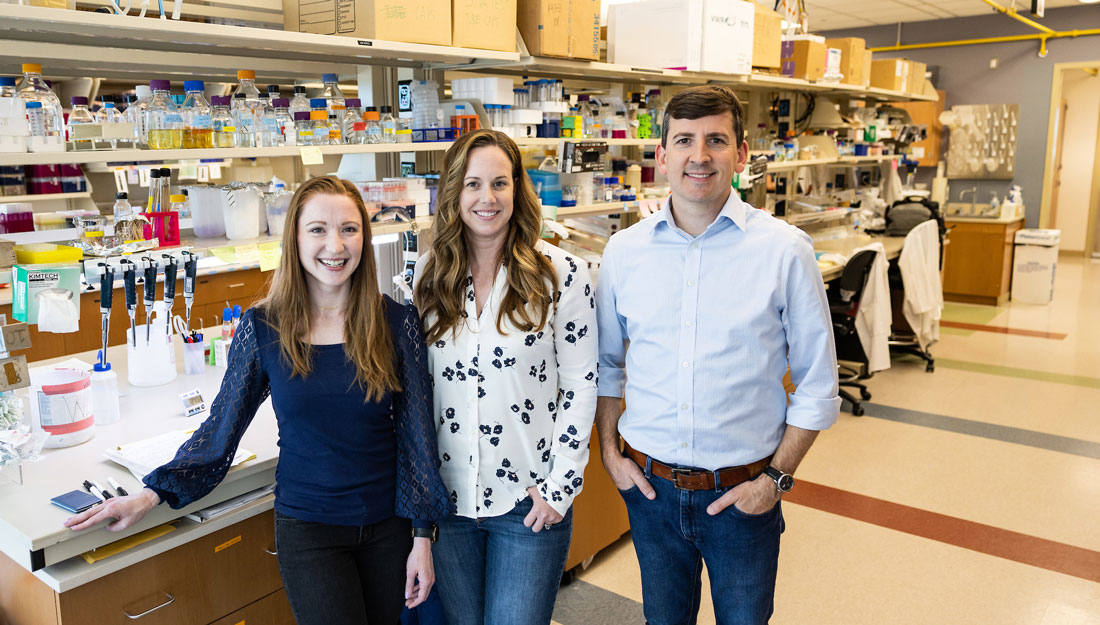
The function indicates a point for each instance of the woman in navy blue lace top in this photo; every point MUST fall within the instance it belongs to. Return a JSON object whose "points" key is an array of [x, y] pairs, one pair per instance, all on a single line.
{"points": [[358, 484]]}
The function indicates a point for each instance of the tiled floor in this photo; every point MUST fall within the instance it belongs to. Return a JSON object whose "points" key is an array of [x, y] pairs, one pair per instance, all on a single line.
{"points": [[970, 495]]}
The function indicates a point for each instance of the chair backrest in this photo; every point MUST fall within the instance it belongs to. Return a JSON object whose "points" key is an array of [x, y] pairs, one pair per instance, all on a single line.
{"points": [[854, 277]]}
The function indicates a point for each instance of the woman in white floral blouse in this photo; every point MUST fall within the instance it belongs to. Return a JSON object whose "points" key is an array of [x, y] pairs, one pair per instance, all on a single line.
{"points": [[510, 322]]}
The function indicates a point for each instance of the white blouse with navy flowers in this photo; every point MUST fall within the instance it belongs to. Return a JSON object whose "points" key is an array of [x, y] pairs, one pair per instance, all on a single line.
{"points": [[515, 410]]}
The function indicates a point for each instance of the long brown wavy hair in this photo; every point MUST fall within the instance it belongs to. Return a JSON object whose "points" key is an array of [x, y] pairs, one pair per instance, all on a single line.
{"points": [[441, 290], [367, 339]]}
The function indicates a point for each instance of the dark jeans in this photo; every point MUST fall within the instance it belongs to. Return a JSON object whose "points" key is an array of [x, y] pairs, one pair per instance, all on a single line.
{"points": [[495, 571], [343, 574], [673, 535]]}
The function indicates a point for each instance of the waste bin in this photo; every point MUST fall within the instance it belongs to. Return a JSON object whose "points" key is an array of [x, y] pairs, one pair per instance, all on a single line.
{"points": [[1033, 265]]}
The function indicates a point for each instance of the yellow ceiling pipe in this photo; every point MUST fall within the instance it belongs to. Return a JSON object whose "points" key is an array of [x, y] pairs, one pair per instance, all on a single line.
{"points": [[1041, 37], [1016, 16]]}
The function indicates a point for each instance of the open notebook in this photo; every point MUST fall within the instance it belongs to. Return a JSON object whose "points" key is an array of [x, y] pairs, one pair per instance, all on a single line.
{"points": [[141, 457]]}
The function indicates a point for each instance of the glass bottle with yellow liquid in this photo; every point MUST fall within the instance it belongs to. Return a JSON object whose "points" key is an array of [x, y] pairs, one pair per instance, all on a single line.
{"points": [[198, 123], [162, 118], [224, 124]]}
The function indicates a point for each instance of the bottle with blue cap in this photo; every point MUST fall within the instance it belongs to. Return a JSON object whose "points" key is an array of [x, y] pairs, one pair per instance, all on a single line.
{"points": [[198, 120], [236, 319], [227, 323], [104, 393]]}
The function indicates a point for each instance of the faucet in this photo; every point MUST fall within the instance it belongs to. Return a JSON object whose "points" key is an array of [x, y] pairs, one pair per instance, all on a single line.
{"points": [[973, 197]]}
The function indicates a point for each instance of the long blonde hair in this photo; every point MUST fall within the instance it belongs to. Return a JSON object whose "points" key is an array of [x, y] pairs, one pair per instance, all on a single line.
{"points": [[441, 290], [367, 339]]}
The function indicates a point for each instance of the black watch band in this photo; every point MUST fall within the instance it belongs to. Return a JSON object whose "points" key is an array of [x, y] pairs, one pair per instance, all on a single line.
{"points": [[426, 532], [784, 482]]}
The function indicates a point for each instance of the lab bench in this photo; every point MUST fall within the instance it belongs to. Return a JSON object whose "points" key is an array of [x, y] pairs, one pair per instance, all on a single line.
{"points": [[223, 570], [977, 266]]}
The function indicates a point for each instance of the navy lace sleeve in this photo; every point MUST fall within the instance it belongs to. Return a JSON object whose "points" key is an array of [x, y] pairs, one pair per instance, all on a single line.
{"points": [[421, 494], [202, 462]]}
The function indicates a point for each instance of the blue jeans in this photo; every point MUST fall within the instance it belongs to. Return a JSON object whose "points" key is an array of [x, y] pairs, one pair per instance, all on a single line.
{"points": [[673, 535], [495, 571]]}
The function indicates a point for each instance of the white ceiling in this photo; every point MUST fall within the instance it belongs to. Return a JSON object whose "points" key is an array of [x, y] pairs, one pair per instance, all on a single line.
{"points": [[837, 14]]}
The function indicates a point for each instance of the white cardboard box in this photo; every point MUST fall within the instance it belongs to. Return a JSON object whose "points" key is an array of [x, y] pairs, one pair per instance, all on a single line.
{"points": [[696, 35], [1033, 265]]}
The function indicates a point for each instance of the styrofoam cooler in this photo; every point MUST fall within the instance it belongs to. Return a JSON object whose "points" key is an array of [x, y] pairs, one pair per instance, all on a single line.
{"points": [[1034, 261]]}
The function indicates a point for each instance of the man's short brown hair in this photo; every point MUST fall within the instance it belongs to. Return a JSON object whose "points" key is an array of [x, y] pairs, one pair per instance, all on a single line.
{"points": [[704, 101]]}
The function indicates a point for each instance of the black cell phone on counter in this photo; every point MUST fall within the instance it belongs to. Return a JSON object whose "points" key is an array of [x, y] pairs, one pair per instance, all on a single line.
{"points": [[76, 501]]}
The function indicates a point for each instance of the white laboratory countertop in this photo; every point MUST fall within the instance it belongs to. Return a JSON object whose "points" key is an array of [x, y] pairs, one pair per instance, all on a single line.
{"points": [[848, 245], [982, 220], [31, 530]]}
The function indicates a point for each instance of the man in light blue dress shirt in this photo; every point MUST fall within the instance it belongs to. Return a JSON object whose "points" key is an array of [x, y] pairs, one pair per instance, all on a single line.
{"points": [[702, 307]]}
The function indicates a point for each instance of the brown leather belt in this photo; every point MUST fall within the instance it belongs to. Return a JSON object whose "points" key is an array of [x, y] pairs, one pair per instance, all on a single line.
{"points": [[697, 479]]}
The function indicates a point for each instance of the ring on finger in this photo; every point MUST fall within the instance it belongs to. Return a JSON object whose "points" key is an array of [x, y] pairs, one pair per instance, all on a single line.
{"points": [[547, 526]]}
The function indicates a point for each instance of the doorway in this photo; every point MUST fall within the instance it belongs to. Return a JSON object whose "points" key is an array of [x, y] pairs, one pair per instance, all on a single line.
{"points": [[1071, 183]]}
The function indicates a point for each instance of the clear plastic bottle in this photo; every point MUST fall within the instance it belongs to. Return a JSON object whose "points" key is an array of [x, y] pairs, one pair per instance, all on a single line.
{"points": [[607, 125], [245, 108], [319, 123], [122, 209], [425, 104], [620, 128], [222, 122], [300, 102], [373, 125], [354, 128], [34, 89], [404, 130], [36, 119], [303, 128], [162, 118], [284, 121], [273, 92], [79, 116], [178, 202], [244, 119], [655, 109], [104, 391], [7, 87], [135, 114], [333, 96], [267, 126], [108, 115], [198, 120], [389, 125]]}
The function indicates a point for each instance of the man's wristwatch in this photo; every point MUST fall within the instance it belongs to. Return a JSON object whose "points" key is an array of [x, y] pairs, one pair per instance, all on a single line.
{"points": [[426, 532], [784, 482]]}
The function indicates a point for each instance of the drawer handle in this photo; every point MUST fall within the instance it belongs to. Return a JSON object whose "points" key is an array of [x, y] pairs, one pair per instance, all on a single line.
{"points": [[235, 286], [170, 600], [270, 552]]}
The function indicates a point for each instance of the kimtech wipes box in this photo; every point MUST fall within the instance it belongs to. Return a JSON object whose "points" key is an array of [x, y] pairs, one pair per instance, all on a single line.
{"points": [[410, 21], [33, 283]]}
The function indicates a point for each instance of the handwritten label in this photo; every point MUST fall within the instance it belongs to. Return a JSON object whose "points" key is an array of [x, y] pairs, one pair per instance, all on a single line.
{"points": [[247, 254], [270, 253]]}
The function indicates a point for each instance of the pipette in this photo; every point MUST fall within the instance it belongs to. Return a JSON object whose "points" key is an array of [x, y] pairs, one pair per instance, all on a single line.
{"points": [[190, 271], [129, 280], [150, 293], [171, 265], [106, 296]]}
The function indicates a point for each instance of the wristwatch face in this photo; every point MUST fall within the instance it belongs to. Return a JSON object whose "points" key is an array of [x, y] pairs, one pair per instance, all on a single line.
{"points": [[785, 482]]}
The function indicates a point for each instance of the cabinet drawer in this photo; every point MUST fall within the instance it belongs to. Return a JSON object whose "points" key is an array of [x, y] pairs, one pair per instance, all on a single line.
{"points": [[273, 609], [199, 582], [235, 285]]}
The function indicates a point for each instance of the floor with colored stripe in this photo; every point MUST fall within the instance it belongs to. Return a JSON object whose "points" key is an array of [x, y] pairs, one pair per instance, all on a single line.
{"points": [[970, 495]]}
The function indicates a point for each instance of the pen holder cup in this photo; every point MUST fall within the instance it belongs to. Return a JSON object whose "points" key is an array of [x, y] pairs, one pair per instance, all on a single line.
{"points": [[194, 358], [152, 363]]}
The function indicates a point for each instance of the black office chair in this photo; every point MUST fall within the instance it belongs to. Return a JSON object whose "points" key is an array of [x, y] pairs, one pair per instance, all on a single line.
{"points": [[844, 297]]}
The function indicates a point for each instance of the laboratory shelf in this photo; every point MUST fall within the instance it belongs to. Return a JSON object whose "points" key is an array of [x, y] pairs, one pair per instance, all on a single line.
{"points": [[127, 157], [774, 166], [868, 159], [599, 208], [43, 197]]}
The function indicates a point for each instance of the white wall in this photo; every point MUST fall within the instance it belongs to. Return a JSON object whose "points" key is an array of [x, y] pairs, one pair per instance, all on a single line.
{"points": [[1082, 94]]}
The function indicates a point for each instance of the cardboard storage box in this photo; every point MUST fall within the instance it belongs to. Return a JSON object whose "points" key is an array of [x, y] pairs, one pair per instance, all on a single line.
{"points": [[866, 75], [484, 24], [851, 58], [7, 254], [804, 58], [696, 35], [569, 28], [767, 35], [916, 78], [411, 21], [890, 74]]}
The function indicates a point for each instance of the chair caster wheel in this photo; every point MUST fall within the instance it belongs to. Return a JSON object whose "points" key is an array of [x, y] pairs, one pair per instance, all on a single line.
{"points": [[866, 395], [857, 411], [929, 368], [568, 577]]}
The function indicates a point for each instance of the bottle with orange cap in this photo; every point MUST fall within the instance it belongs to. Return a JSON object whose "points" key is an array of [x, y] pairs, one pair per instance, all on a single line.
{"points": [[34, 89], [247, 109]]}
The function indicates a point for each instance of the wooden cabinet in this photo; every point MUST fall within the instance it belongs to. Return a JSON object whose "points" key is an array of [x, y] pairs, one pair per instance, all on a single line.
{"points": [[926, 114], [599, 514], [978, 263], [212, 291], [228, 574]]}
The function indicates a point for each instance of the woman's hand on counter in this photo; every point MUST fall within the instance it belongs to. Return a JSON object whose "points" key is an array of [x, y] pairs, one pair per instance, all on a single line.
{"points": [[125, 510]]}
